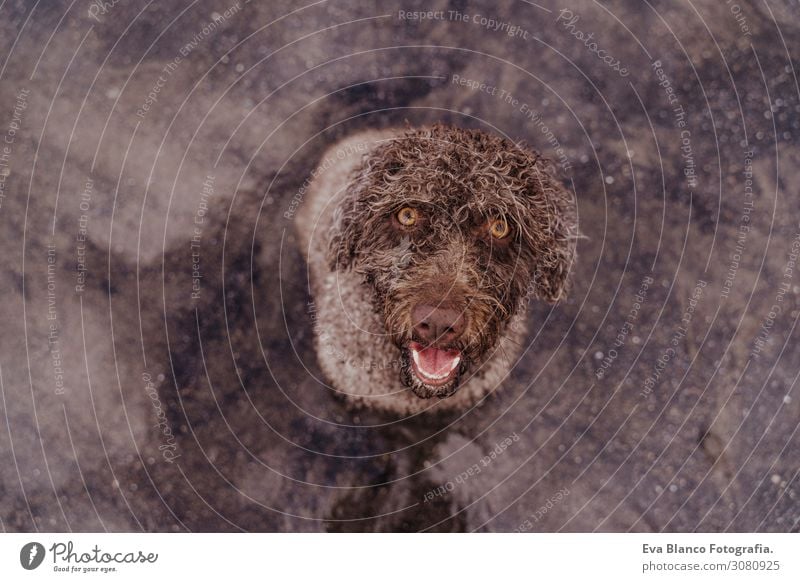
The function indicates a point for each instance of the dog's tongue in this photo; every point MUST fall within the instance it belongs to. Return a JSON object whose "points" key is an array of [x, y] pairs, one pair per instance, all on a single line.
{"points": [[435, 362]]}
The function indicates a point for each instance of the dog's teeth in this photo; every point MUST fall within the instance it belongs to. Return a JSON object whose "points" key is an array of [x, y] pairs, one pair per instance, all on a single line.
{"points": [[420, 368], [456, 360]]}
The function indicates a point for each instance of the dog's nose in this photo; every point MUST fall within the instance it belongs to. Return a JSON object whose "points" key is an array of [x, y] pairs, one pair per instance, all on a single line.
{"points": [[437, 324]]}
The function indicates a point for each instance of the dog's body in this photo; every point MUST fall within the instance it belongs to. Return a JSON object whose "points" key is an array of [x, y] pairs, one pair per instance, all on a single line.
{"points": [[404, 312]]}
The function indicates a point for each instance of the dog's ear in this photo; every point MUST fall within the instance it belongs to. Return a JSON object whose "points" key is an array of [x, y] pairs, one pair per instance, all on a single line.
{"points": [[344, 234], [556, 256], [355, 213]]}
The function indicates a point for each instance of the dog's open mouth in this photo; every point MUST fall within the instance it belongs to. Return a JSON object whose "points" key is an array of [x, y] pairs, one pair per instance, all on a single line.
{"points": [[434, 371], [434, 366]]}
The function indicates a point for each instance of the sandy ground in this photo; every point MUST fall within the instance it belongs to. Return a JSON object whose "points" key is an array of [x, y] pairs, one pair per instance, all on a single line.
{"points": [[148, 142]]}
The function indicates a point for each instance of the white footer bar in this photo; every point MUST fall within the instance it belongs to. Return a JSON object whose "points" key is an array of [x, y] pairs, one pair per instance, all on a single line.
{"points": [[406, 557]]}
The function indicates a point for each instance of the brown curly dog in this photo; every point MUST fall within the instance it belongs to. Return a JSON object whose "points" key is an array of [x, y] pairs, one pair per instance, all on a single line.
{"points": [[424, 246]]}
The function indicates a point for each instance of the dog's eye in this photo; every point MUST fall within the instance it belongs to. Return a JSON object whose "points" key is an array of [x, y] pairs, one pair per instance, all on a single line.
{"points": [[407, 216], [499, 228]]}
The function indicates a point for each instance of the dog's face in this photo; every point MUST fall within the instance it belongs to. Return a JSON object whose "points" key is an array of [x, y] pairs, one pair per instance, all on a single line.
{"points": [[452, 229]]}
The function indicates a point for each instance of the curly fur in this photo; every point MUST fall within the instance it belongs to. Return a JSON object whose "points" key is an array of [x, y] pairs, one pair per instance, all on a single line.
{"points": [[368, 272]]}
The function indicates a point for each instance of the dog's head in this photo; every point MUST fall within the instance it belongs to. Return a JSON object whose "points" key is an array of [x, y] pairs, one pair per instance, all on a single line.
{"points": [[453, 229]]}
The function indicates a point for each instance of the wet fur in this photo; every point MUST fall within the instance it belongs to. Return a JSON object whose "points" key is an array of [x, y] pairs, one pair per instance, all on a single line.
{"points": [[367, 271]]}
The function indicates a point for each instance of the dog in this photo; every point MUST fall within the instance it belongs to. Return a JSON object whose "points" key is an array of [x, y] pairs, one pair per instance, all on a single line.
{"points": [[424, 246]]}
